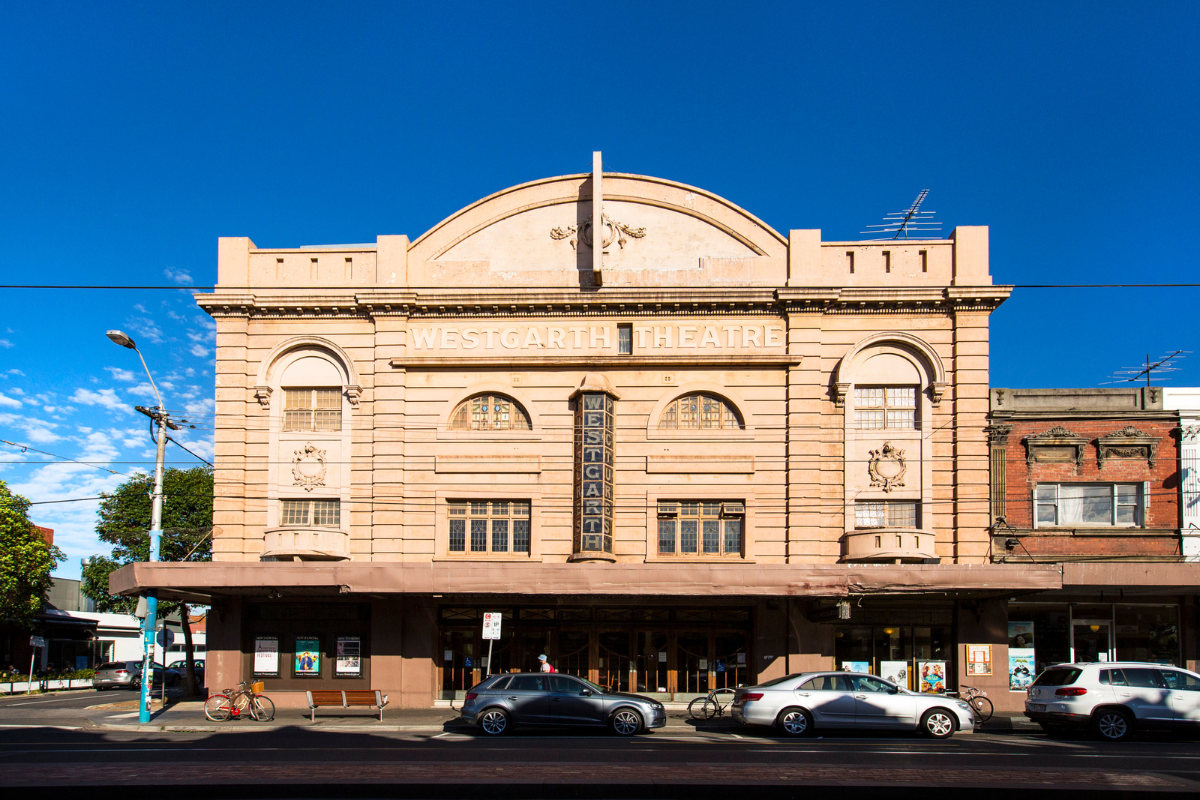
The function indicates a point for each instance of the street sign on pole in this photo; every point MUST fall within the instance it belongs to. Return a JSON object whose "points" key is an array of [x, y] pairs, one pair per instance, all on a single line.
{"points": [[166, 638], [491, 632], [37, 641]]}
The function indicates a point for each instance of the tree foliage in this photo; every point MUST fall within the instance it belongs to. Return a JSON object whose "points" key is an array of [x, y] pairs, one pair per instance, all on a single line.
{"points": [[26, 560]]}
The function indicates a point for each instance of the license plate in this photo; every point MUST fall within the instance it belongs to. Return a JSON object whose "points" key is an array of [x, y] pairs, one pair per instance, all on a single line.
{"points": [[1037, 706]]}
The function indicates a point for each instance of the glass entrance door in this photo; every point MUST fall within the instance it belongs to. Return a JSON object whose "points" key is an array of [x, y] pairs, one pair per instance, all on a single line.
{"points": [[613, 660], [574, 653], [651, 662], [1091, 640], [731, 666], [691, 663]]}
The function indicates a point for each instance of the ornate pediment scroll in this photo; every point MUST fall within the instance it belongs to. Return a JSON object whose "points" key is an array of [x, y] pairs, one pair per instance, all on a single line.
{"points": [[1128, 442], [1056, 446], [613, 231], [308, 467], [887, 467]]}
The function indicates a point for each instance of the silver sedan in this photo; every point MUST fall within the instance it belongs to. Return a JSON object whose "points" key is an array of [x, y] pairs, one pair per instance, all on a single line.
{"points": [[798, 704]]}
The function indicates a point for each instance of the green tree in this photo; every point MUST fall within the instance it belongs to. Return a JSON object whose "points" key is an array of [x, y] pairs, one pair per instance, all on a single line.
{"points": [[123, 521], [26, 560]]}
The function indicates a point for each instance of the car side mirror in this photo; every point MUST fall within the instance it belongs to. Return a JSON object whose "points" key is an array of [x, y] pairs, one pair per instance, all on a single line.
{"points": [[586, 693], [894, 690]]}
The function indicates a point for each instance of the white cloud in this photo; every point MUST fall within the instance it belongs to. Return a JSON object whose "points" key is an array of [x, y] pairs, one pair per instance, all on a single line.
{"points": [[200, 351], [201, 406], [146, 327], [143, 389], [140, 308], [105, 397], [16, 372], [36, 430], [18, 391], [9, 402], [189, 372], [178, 276], [6, 343], [121, 374]]}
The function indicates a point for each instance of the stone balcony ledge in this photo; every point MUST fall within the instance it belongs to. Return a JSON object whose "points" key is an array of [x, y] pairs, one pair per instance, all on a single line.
{"points": [[307, 543], [884, 544]]}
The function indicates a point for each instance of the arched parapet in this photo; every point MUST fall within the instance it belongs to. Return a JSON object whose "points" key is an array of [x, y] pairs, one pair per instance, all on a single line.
{"points": [[906, 346], [287, 352]]}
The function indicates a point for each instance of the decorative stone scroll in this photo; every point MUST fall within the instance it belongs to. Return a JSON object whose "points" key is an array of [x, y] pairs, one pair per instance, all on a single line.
{"points": [[613, 231], [887, 467], [1056, 446], [308, 467], [1128, 442]]}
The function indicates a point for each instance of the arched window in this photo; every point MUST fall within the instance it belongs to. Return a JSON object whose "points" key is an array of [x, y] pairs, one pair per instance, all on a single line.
{"points": [[700, 411], [312, 395], [489, 412]]}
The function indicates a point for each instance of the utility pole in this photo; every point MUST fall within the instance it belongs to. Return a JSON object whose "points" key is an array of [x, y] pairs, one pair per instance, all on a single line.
{"points": [[157, 414]]}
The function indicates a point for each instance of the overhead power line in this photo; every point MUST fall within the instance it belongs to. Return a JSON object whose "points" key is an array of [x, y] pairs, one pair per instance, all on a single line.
{"points": [[536, 288]]}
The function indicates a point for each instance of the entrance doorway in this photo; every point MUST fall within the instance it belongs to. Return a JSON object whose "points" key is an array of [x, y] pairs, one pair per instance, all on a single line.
{"points": [[1091, 640]]}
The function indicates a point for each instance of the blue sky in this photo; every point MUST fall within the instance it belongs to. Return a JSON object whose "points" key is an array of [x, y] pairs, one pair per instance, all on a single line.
{"points": [[134, 136]]}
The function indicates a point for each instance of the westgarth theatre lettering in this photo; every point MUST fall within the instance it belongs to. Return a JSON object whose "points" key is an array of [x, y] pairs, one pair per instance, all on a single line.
{"points": [[596, 337]]}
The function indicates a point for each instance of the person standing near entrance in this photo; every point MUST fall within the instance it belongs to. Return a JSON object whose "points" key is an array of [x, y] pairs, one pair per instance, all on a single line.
{"points": [[546, 666]]}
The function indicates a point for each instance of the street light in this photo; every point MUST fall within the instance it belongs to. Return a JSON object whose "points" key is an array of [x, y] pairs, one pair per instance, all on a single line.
{"points": [[159, 415]]}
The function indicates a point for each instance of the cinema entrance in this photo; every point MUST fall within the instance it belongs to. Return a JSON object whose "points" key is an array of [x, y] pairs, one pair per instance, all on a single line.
{"points": [[670, 653]]}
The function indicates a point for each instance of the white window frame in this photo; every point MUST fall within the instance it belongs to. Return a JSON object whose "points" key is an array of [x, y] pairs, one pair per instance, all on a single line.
{"points": [[722, 512], [310, 513], [1141, 505], [887, 514], [888, 410], [488, 512]]}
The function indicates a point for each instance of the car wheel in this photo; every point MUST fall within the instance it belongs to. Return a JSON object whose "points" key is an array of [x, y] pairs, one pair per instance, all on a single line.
{"points": [[1112, 725], [794, 722], [626, 722], [493, 722], [938, 723]]}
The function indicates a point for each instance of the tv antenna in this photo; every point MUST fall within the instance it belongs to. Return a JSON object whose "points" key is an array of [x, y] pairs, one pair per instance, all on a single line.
{"points": [[899, 224], [1164, 364]]}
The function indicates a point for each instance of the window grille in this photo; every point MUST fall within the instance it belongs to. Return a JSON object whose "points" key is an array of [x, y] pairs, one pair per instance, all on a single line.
{"points": [[700, 528], [495, 526], [490, 412], [311, 513], [700, 411], [312, 410], [886, 514], [879, 407]]}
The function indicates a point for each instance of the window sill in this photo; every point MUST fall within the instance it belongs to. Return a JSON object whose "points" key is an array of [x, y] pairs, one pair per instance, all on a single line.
{"points": [[1101, 530], [459, 435], [701, 434], [660, 559], [486, 557]]}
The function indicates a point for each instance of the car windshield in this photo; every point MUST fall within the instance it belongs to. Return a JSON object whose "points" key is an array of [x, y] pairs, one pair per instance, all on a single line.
{"points": [[777, 681], [591, 685], [1061, 676]]}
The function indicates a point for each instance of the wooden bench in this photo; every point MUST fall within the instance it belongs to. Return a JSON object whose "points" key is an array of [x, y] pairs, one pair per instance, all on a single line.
{"points": [[368, 698]]}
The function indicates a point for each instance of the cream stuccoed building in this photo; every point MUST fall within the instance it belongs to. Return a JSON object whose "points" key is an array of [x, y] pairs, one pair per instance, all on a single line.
{"points": [[675, 448]]}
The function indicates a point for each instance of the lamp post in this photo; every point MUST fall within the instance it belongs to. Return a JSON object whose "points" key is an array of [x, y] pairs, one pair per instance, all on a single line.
{"points": [[159, 415]]}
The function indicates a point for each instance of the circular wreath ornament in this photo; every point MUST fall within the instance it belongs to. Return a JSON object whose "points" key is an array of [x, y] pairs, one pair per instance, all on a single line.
{"points": [[887, 467], [308, 467]]}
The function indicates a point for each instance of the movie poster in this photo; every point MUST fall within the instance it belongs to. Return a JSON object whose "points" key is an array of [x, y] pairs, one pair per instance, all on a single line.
{"points": [[266, 656], [349, 657], [308, 656], [932, 676], [856, 666], [1021, 670], [1020, 635], [896, 672]]}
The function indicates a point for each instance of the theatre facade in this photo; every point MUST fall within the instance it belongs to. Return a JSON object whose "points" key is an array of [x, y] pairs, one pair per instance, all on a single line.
{"points": [[675, 449]]}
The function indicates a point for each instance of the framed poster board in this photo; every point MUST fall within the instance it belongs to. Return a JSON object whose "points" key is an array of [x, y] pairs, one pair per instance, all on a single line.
{"points": [[895, 671], [979, 659], [1021, 669], [308, 657], [266, 656], [856, 666], [932, 676], [348, 663]]}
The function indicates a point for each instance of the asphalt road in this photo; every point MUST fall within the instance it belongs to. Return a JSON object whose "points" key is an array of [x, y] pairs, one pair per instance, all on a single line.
{"points": [[48, 743]]}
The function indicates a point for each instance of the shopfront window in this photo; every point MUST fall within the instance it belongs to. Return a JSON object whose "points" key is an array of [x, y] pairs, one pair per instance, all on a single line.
{"points": [[1148, 633], [902, 654]]}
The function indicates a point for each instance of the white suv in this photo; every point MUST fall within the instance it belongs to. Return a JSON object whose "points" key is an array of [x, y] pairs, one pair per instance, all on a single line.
{"points": [[1114, 698]]}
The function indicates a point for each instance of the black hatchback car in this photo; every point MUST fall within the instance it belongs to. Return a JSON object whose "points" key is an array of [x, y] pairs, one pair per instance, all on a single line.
{"points": [[539, 698]]}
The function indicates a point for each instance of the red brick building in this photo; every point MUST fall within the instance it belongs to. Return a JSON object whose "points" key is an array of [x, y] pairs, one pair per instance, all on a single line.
{"points": [[1088, 480]]}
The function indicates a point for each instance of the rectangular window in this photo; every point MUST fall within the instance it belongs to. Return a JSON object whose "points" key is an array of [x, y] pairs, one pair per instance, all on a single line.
{"points": [[625, 339], [312, 409], [311, 513], [705, 528], [886, 514], [1088, 504], [878, 407], [496, 526]]}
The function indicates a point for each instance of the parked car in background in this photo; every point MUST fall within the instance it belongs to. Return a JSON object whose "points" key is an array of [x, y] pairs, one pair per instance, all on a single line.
{"points": [[128, 675], [1114, 699], [796, 705], [181, 667], [538, 698]]}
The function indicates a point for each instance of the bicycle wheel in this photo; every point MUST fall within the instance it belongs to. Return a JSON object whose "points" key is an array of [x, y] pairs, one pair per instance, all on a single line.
{"points": [[218, 708], [262, 708], [983, 708], [701, 708]]}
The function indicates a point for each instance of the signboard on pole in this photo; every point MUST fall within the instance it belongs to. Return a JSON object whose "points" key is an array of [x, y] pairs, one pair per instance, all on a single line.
{"points": [[166, 638], [491, 625], [37, 641]]}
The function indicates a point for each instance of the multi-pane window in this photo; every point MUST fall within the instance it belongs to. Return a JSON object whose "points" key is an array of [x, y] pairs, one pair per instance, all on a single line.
{"points": [[1061, 504], [624, 339], [489, 526], [700, 411], [490, 412], [312, 513], [878, 407], [886, 514], [705, 528], [312, 409]]}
